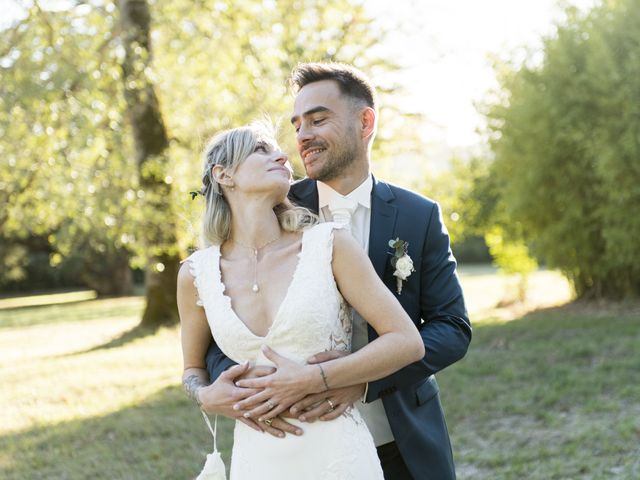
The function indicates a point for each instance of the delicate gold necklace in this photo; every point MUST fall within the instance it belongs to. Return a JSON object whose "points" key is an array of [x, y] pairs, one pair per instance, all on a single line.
{"points": [[256, 251]]}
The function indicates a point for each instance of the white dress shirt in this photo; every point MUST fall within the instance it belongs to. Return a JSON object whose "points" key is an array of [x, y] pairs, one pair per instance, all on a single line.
{"points": [[373, 413]]}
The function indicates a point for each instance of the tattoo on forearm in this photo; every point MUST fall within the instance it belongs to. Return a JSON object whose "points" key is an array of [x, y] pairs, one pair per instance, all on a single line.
{"points": [[191, 385]]}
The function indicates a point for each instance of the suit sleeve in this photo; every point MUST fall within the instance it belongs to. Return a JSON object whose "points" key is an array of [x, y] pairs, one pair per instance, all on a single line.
{"points": [[217, 362], [445, 327]]}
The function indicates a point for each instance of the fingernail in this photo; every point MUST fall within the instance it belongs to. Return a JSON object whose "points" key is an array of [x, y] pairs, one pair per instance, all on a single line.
{"points": [[281, 435], [260, 419], [236, 407], [302, 418], [298, 432], [246, 415]]}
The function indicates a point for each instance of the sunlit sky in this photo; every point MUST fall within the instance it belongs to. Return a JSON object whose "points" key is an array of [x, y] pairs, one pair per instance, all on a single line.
{"points": [[444, 46]]}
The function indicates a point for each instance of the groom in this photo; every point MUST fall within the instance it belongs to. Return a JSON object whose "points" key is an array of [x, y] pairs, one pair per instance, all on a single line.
{"points": [[335, 121]]}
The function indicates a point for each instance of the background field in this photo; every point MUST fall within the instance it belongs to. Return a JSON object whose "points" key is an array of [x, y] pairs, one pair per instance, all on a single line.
{"points": [[549, 394]]}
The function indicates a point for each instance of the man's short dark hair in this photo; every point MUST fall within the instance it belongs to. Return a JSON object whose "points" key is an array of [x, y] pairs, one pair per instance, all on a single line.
{"points": [[352, 82]]}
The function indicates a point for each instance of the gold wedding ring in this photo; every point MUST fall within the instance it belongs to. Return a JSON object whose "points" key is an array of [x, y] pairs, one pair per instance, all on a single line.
{"points": [[331, 407], [268, 421]]}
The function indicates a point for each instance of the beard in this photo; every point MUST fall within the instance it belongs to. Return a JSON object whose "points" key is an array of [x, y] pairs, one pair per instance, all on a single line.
{"points": [[341, 158]]}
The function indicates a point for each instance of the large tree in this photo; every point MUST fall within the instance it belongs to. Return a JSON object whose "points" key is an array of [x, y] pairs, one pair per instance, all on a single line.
{"points": [[566, 139], [151, 143], [92, 184]]}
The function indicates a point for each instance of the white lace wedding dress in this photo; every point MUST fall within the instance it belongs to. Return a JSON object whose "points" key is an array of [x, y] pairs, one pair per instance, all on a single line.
{"points": [[313, 317]]}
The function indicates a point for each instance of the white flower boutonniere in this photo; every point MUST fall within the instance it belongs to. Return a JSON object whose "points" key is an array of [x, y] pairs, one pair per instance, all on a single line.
{"points": [[401, 261]]}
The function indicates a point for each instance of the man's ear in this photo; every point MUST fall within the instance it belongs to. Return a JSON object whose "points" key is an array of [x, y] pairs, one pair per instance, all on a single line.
{"points": [[367, 122]]}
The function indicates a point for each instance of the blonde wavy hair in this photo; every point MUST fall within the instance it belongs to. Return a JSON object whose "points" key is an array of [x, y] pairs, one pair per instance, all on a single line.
{"points": [[229, 149]]}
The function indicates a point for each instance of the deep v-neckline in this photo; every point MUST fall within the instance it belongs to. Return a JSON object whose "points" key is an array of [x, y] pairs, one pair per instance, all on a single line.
{"points": [[229, 302]]}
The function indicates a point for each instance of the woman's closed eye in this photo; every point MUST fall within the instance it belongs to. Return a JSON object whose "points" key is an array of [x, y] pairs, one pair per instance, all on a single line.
{"points": [[261, 147]]}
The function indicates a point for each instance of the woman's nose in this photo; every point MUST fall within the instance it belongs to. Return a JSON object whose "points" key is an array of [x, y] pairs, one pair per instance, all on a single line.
{"points": [[281, 158]]}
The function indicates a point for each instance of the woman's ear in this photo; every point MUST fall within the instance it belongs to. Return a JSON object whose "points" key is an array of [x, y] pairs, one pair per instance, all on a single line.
{"points": [[221, 176]]}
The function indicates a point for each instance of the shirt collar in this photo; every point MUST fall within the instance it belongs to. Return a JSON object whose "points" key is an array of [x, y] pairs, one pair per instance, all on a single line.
{"points": [[361, 194]]}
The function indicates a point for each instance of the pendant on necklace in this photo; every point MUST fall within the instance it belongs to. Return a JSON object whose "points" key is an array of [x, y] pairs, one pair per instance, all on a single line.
{"points": [[255, 288]]}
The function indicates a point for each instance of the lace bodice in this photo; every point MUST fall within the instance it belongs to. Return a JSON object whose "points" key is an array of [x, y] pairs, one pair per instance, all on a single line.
{"points": [[313, 316]]}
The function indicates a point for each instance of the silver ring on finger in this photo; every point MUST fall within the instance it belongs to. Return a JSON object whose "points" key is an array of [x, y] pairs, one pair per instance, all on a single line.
{"points": [[270, 405], [331, 406]]}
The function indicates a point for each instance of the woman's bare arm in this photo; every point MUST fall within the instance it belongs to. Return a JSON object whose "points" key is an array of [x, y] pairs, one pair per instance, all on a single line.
{"points": [[195, 335], [398, 344]]}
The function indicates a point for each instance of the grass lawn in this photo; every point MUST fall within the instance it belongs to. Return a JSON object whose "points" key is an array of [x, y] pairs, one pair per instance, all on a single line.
{"points": [[553, 394]]}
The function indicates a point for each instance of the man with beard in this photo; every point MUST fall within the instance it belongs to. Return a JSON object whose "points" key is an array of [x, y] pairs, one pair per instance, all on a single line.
{"points": [[335, 120]]}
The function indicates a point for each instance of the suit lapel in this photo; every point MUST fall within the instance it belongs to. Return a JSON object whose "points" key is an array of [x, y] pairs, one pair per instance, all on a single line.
{"points": [[383, 222], [305, 193], [383, 216]]}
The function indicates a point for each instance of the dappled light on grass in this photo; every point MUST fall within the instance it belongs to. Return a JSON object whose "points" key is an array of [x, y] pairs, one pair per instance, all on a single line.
{"points": [[491, 296], [49, 384], [553, 394], [73, 409]]}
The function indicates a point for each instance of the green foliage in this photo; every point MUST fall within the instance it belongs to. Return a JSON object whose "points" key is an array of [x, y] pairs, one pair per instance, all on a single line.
{"points": [[69, 172], [511, 256], [566, 139], [66, 176]]}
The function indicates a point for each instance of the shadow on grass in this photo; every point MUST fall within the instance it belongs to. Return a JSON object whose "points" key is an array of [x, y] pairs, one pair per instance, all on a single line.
{"points": [[136, 333], [34, 308], [161, 438], [116, 307]]}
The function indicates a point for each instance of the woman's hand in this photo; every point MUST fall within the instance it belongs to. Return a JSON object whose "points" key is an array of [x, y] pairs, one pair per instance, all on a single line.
{"points": [[327, 405], [290, 383]]}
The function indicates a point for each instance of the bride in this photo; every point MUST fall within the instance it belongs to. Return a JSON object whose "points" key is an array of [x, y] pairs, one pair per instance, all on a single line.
{"points": [[274, 284]]}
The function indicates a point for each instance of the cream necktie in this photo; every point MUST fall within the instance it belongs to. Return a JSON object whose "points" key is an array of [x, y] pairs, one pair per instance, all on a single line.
{"points": [[342, 209]]}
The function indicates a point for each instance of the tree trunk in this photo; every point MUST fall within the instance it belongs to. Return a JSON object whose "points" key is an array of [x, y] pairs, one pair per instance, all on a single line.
{"points": [[108, 274], [151, 143]]}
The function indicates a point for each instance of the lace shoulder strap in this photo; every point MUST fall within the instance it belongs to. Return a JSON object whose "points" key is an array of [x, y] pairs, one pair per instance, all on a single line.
{"points": [[318, 240], [201, 267]]}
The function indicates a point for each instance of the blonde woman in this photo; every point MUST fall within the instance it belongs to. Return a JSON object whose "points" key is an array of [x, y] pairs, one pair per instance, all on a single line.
{"points": [[272, 288]]}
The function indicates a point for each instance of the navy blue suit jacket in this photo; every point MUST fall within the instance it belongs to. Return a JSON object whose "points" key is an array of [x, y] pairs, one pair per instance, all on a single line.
{"points": [[432, 297]]}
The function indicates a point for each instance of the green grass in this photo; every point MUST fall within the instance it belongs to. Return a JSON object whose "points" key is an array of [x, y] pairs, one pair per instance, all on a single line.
{"points": [[554, 394]]}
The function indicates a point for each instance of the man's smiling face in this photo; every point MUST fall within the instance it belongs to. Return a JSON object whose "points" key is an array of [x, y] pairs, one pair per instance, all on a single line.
{"points": [[325, 121]]}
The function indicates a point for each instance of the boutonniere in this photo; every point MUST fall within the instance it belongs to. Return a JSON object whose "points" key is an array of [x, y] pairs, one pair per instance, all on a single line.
{"points": [[401, 261]]}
